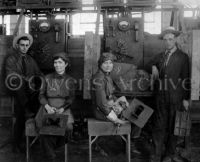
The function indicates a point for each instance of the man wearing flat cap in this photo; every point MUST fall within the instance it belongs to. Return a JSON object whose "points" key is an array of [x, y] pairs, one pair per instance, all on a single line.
{"points": [[170, 70], [21, 71]]}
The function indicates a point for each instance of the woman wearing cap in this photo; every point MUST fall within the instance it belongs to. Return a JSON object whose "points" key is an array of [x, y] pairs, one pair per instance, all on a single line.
{"points": [[56, 96], [103, 91]]}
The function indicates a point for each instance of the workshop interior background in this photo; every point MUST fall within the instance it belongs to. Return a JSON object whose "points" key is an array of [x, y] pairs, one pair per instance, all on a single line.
{"points": [[85, 28]]}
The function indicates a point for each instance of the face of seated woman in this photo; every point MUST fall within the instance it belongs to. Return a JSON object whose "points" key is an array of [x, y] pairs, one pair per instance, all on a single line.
{"points": [[107, 66], [60, 65]]}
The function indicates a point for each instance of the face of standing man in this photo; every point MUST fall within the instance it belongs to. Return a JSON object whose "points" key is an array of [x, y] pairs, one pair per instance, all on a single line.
{"points": [[170, 41]]}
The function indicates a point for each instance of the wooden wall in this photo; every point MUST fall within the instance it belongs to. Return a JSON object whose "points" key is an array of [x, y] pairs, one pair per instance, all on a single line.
{"points": [[5, 100]]}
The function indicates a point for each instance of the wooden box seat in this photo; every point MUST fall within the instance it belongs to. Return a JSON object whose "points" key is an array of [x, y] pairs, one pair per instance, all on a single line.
{"points": [[98, 128]]}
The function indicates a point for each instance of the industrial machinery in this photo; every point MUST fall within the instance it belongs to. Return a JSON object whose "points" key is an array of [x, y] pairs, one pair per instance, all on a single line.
{"points": [[123, 34], [49, 38]]}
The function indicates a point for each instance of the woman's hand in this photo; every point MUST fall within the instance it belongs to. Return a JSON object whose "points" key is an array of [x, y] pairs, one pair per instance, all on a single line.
{"points": [[49, 109], [186, 104], [113, 117], [155, 72], [117, 109], [122, 121], [60, 111]]}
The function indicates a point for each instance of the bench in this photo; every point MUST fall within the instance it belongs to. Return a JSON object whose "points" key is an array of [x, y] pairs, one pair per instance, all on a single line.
{"points": [[98, 128], [30, 131]]}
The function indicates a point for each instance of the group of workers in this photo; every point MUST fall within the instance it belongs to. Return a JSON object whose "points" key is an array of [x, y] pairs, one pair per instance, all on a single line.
{"points": [[170, 69]]}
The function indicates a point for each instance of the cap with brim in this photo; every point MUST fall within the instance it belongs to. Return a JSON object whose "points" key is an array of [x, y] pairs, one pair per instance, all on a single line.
{"points": [[15, 40], [168, 30], [62, 55], [105, 57]]}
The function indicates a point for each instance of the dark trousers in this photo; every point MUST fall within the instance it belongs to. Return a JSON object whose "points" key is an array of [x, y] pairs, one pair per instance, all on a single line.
{"points": [[49, 143], [99, 115], [163, 130], [24, 109], [19, 125]]}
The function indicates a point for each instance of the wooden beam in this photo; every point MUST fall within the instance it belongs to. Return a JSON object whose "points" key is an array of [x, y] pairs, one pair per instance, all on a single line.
{"points": [[91, 56], [88, 62], [18, 23], [97, 43], [195, 76]]}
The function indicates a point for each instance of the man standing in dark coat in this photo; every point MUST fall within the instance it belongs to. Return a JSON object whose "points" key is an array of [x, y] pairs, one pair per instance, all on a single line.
{"points": [[21, 72], [171, 70]]}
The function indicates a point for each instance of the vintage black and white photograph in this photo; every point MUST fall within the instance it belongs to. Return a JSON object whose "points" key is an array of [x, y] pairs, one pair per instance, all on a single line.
{"points": [[99, 81]]}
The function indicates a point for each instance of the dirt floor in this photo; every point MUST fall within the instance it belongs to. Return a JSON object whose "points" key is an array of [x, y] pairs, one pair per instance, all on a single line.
{"points": [[78, 150]]}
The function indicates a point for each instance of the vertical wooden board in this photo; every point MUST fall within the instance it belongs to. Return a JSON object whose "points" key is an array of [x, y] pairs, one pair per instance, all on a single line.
{"points": [[88, 63], [96, 54], [97, 43], [195, 75], [5, 46], [5, 101]]}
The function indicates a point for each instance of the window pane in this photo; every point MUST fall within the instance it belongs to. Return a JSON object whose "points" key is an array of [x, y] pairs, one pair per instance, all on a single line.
{"points": [[152, 22], [136, 14], [83, 22], [188, 13], [60, 17], [88, 17], [87, 2]]}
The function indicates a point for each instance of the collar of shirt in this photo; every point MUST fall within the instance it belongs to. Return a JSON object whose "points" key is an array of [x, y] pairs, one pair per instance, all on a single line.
{"points": [[22, 54], [171, 51], [59, 76], [103, 72]]}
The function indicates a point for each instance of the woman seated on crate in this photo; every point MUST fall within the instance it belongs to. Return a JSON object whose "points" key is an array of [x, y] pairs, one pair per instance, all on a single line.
{"points": [[106, 105], [56, 97]]}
